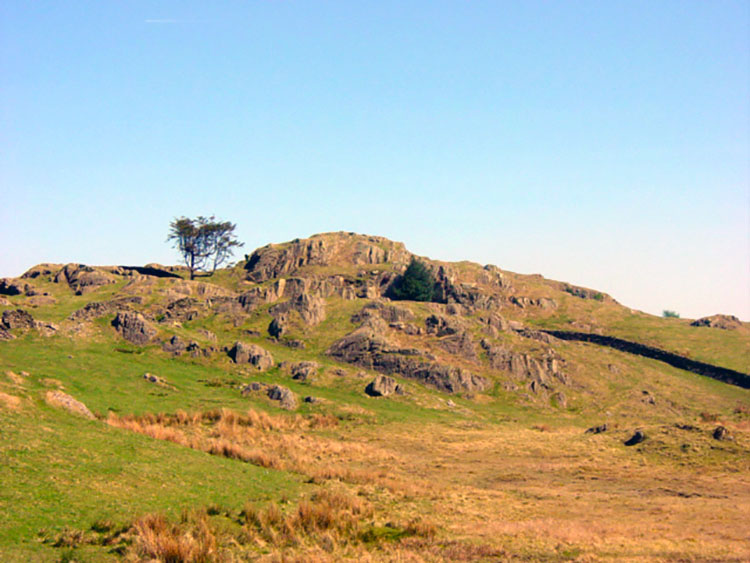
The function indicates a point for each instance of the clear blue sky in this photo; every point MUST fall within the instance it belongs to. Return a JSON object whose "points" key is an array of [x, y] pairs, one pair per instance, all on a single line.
{"points": [[602, 143]]}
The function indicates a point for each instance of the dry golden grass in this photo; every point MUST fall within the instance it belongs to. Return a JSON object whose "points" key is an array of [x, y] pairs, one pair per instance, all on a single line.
{"points": [[10, 402], [497, 492], [275, 442]]}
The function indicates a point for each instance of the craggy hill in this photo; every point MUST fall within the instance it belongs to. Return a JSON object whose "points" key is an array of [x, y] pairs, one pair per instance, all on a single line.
{"points": [[307, 326]]}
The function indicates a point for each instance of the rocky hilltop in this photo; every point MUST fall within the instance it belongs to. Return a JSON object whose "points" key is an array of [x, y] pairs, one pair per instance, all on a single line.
{"points": [[327, 297]]}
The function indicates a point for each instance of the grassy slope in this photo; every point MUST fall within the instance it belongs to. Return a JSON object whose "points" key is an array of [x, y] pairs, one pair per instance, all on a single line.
{"points": [[494, 454]]}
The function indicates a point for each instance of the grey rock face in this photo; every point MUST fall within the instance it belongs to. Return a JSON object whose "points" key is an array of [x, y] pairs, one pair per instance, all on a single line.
{"points": [[17, 319], [134, 328], [253, 354]]}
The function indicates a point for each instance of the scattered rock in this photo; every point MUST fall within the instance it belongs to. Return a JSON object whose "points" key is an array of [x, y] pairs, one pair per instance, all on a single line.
{"points": [[721, 433], [598, 429], [253, 387], [382, 386], [174, 345], [297, 344], [725, 322], [301, 371], [313, 400], [207, 334], [389, 313], [134, 328], [150, 377], [647, 397], [40, 270], [45, 328], [284, 396], [638, 437], [10, 402], [5, 303], [253, 354], [65, 401]]}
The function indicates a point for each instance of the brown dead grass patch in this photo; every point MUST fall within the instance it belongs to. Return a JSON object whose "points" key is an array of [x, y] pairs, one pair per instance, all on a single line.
{"points": [[275, 442], [10, 402]]}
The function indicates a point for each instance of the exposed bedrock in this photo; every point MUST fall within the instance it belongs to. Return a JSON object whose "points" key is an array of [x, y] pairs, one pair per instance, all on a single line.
{"points": [[367, 347]]}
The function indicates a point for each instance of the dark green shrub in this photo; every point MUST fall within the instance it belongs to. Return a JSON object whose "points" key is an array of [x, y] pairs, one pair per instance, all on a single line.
{"points": [[416, 284], [670, 314]]}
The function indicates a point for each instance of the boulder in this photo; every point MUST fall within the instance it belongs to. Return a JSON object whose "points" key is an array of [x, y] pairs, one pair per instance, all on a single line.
{"points": [[134, 328], [638, 437], [284, 396], [243, 353], [4, 302], [40, 270], [389, 313], [382, 386], [725, 322], [721, 433], [311, 309], [65, 401]]}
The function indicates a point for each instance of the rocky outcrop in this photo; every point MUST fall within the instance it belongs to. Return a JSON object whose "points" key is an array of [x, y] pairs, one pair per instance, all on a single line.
{"points": [[17, 319], [389, 313], [311, 309], [83, 279], [243, 353], [10, 286], [539, 370], [540, 302], [181, 310], [343, 249], [97, 309], [441, 326], [41, 270], [287, 399], [382, 386], [368, 348], [725, 322], [134, 328], [278, 326]]}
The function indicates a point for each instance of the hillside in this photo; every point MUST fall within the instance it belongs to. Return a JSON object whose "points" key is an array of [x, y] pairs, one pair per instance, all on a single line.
{"points": [[287, 409]]}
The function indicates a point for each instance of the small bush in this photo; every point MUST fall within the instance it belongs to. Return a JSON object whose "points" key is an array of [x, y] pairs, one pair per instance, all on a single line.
{"points": [[670, 314], [416, 284]]}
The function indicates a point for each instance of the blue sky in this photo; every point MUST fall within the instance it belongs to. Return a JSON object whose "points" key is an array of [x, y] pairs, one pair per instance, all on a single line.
{"points": [[602, 143]]}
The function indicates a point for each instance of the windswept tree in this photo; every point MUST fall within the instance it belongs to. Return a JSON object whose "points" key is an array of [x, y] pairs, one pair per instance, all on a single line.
{"points": [[204, 242]]}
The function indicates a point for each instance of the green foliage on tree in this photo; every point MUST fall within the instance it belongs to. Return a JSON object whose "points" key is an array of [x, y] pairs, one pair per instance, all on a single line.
{"points": [[204, 242], [416, 284], [670, 314]]}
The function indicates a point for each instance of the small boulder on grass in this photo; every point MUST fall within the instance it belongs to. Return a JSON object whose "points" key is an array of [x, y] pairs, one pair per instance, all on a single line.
{"points": [[65, 401], [382, 386], [638, 437], [285, 397], [721, 433]]}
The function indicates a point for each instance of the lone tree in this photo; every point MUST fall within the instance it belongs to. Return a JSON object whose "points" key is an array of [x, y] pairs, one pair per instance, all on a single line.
{"points": [[416, 284], [203, 242]]}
